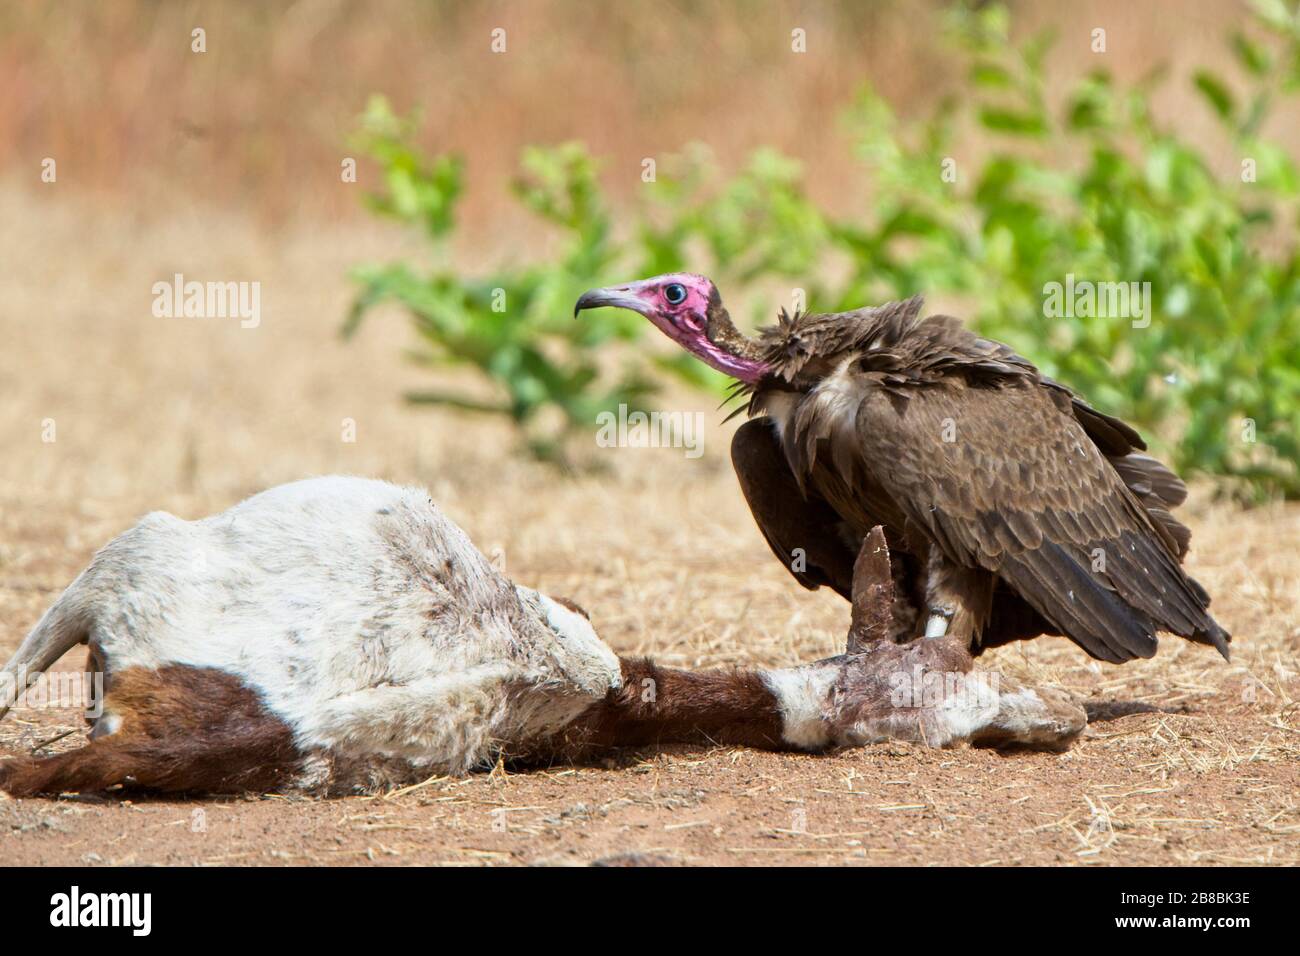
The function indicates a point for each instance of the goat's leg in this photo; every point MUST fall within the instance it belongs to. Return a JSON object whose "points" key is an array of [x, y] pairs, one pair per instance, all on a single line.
{"points": [[172, 764], [658, 705], [172, 729], [924, 691], [771, 710], [958, 600]]}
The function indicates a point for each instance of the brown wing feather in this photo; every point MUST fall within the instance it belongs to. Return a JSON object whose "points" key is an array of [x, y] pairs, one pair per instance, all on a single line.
{"points": [[790, 518], [1067, 518], [1023, 490], [1155, 486], [786, 517]]}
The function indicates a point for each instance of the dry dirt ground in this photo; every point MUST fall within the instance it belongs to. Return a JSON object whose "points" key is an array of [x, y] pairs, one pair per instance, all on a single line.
{"points": [[1188, 760]]}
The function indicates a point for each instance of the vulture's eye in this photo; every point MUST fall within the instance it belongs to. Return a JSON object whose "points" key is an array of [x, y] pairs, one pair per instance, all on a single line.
{"points": [[675, 293]]}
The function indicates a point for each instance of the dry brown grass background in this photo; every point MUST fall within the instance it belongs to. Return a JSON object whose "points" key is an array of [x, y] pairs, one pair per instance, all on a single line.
{"points": [[227, 168]]}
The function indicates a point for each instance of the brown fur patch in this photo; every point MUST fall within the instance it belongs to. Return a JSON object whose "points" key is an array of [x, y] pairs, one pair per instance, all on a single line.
{"points": [[571, 605], [662, 705], [182, 729]]}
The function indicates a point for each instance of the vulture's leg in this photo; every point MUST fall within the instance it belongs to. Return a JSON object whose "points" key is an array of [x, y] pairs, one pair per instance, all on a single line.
{"points": [[958, 600]]}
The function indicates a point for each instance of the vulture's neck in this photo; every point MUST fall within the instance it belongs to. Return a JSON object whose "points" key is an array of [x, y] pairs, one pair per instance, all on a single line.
{"points": [[730, 350]]}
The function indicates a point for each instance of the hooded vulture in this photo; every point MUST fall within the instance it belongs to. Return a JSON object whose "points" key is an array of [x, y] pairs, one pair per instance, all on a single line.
{"points": [[1011, 507]]}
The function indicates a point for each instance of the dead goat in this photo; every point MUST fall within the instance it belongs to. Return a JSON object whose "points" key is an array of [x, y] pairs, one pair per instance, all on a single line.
{"points": [[342, 635]]}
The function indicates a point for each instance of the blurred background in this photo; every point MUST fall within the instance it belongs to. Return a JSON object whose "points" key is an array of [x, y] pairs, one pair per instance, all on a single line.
{"points": [[258, 123], [415, 318], [831, 154]]}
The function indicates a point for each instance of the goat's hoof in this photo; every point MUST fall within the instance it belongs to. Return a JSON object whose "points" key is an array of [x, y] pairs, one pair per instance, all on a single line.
{"points": [[1035, 718]]}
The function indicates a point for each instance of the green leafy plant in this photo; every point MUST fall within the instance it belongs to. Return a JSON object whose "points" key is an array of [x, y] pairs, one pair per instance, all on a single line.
{"points": [[514, 326], [1214, 373], [1209, 372]]}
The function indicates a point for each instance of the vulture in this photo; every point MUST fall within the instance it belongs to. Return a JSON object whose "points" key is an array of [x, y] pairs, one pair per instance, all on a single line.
{"points": [[1011, 507]]}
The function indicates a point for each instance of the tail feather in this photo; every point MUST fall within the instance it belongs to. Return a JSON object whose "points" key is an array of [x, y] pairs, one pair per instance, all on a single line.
{"points": [[1075, 602], [1214, 635]]}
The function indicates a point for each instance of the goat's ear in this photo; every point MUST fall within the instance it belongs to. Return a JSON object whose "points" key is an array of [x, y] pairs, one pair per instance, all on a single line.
{"points": [[873, 594], [571, 605]]}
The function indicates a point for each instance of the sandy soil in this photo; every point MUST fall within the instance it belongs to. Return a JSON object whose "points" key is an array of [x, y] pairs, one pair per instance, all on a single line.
{"points": [[1188, 760]]}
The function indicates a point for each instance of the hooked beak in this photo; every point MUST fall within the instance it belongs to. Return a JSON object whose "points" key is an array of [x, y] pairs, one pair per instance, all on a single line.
{"points": [[618, 297]]}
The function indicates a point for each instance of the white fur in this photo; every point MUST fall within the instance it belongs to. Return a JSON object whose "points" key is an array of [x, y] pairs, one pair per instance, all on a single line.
{"points": [[1021, 712], [802, 694], [364, 617]]}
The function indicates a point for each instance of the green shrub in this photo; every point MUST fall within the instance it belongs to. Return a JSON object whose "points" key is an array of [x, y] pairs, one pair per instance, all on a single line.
{"points": [[1213, 378], [515, 326]]}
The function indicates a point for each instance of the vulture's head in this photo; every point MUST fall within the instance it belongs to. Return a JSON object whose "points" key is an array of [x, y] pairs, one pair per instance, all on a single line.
{"points": [[688, 309]]}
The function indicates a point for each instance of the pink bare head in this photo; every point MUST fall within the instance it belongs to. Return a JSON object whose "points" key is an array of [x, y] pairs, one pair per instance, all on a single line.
{"points": [[688, 309]]}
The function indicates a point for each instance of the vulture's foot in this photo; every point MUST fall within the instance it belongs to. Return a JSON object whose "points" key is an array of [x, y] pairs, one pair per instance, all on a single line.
{"points": [[937, 624], [928, 692]]}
